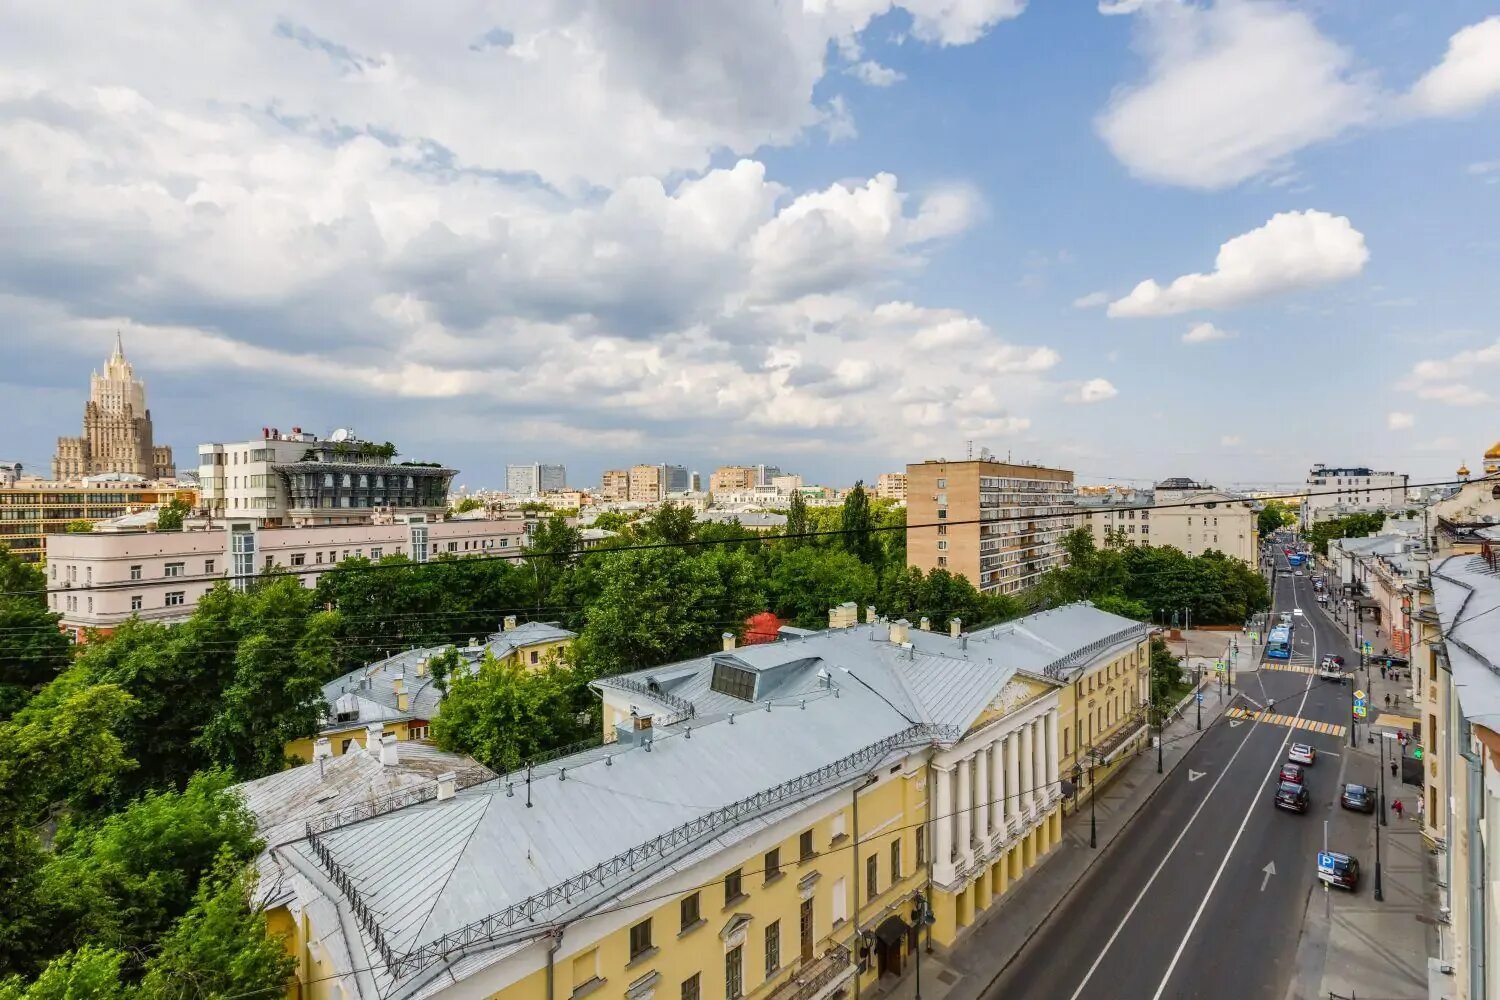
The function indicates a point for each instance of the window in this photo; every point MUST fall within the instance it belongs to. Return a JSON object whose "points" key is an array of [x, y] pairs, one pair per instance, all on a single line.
{"points": [[732, 889], [375, 553], [942, 529], [921, 848], [318, 557], [773, 948], [942, 560], [942, 513], [585, 968], [772, 867], [135, 572], [895, 860], [176, 598], [942, 484], [734, 973], [135, 602], [208, 567], [872, 876], [840, 902], [689, 909], [640, 939], [733, 681], [805, 846], [690, 988], [299, 558], [172, 569], [942, 544], [535, 656]]}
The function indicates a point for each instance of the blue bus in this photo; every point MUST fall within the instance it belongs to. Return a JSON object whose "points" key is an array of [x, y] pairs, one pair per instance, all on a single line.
{"points": [[1296, 559], [1279, 645]]}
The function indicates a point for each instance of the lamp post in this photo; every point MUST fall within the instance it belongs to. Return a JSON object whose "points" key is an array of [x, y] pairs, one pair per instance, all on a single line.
{"points": [[921, 916], [1381, 778], [1093, 827], [1379, 889], [1198, 693]]}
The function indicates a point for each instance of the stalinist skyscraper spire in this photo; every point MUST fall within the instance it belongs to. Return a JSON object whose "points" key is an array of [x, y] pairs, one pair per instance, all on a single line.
{"points": [[116, 429]]}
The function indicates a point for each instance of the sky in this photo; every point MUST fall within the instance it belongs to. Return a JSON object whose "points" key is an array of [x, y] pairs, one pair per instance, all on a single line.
{"points": [[1139, 239]]}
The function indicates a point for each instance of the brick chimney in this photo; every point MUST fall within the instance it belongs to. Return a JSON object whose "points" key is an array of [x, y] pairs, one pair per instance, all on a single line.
{"points": [[509, 624], [925, 624], [728, 638], [390, 755], [955, 627], [447, 785]]}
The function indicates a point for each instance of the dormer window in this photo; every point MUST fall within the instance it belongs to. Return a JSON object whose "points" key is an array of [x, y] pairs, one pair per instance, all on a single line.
{"points": [[736, 682]]}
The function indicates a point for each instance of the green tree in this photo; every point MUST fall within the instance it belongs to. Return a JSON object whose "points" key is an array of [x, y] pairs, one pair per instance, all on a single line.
{"points": [[90, 973], [1274, 515], [504, 714], [33, 650], [221, 947], [169, 517], [79, 526], [466, 504], [65, 752], [1167, 685], [19, 578], [796, 519], [805, 582], [855, 523], [669, 524], [553, 546]]}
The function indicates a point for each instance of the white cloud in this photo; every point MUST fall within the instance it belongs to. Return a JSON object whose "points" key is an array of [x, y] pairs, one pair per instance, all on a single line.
{"points": [[1009, 359], [958, 22], [1230, 441], [1095, 390], [1092, 300], [1232, 91], [1202, 333], [1293, 250], [874, 74], [1398, 421], [1451, 369], [1114, 7], [1488, 170], [1467, 77], [1454, 394]]}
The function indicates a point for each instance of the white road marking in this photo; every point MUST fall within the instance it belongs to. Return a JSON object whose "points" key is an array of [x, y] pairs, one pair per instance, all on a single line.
{"points": [[1269, 869], [1195, 775], [1255, 802], [1160, 866]]}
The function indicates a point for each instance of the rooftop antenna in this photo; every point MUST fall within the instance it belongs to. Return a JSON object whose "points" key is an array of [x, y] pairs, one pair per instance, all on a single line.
{"points": [[971, 449]]}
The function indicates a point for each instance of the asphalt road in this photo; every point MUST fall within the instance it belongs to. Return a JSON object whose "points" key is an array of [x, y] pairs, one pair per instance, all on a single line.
{"points": [[1183, 904]]}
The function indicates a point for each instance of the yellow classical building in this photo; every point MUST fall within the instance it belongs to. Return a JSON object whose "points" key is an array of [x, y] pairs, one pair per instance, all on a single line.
{"points": [[763, 821], [398, 695]]}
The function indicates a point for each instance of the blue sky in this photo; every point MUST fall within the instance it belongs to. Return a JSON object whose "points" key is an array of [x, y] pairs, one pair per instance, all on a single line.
{"points": [[837, 237]]}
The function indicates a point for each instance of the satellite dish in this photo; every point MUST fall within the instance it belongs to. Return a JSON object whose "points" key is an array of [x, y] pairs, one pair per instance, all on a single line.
{"points": [[342, 434]]}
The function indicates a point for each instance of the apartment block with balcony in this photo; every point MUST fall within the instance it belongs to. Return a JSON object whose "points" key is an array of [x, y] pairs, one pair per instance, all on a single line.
{"points": [[1335, 491], [891, 486], [1192, 520], [734, 479], [998, 524], [35, 510], [614, 486]]}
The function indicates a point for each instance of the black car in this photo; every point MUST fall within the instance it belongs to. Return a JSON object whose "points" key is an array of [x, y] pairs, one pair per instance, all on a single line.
{"points": [[1291, 796], [1360, 798], [1341, 870]]}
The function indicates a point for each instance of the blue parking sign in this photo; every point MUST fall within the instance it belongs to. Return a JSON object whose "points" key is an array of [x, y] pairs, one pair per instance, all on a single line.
{"points": [[1325, 861]]}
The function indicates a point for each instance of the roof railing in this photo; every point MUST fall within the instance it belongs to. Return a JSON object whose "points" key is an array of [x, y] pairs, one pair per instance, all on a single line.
{"points": [[520, 919], [682, 705], [1057, 666], [410, 796]]}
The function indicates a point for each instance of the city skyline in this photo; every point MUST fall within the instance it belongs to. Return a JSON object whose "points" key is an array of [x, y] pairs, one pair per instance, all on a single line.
{"points": [[933, 224]]}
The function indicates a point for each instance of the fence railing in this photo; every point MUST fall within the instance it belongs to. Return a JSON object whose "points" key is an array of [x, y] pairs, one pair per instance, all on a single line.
{"points": [[681, 705], [345, 884], [1057, 666], [400, 799], [521, 918]]}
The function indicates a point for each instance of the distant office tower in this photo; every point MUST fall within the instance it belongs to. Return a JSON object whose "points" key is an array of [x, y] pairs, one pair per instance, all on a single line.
{"points": [[695, 482], [530, 480], [116, 429], [891, 486], [765, 473], [674, 479]]}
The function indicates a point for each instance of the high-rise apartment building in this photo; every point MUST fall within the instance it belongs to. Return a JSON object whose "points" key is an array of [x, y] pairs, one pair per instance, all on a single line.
{"points": [[534, 479], [645, 483], [998, 524], [614, 485], [284, 479], [732, 479], [891, 486], [1332, 492], [116, 429]]}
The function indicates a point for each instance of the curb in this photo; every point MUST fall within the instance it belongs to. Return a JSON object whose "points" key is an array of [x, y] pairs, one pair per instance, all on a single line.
{"points": [[1046, 917]]}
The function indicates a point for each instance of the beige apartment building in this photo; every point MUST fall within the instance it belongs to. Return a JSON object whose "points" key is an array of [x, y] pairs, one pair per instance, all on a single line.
{"points": [[733, 479], [614, 485], [998, 524], [1192, 521], [32, 511], [645, 484], [891, 486], [101, 579]]}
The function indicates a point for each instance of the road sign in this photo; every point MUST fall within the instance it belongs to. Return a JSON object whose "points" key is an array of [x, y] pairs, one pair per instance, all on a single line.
{"points": [[1360, 711], [1325, 861], [1200, 697], [1359, 696], [1416, 753]]}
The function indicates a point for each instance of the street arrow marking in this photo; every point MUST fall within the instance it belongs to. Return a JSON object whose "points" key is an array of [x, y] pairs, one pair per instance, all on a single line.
{"points": [[1269, 869], [1195, 775]]}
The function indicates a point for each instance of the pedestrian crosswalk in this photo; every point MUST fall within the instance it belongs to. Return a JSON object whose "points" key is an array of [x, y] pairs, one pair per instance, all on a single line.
{"points": [[1296, 668], [1294, 721]]}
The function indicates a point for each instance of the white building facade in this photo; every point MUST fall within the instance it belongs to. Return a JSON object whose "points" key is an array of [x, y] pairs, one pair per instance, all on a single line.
{"points": [[1333, 491]]}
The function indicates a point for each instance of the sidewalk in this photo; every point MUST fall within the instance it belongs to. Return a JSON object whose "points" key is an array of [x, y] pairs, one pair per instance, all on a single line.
{"points": [[965, 971], [1353, 945]]}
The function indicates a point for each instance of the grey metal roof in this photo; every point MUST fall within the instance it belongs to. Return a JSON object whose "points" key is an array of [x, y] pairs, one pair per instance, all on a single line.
{"points": [[746, 518], [1467, 592]]}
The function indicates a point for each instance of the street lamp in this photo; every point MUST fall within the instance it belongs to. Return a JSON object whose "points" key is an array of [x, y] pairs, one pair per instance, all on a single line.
{"points": [[1379, 889], [921, 916], [1093, 826], [1198, 693]]}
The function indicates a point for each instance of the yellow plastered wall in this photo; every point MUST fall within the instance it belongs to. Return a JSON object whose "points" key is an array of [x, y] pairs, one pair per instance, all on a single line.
{"points": [[1109, 687], [540, 655], [343, 740]]}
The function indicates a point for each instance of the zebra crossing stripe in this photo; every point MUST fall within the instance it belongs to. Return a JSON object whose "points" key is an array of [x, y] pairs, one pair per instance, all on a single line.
{"points": [[1291, 722]]}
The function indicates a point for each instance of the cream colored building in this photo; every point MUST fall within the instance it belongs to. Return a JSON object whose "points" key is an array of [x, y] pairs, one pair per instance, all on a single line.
{"points": [[117, 431], [645, 484], [1193, 522], [35, 510], [105, 578], [614, 486], [732, 479], [891, 486]]}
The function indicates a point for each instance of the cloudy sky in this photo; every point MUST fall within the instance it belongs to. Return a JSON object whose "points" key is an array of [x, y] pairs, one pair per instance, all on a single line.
{"points": [[1143, 239]]}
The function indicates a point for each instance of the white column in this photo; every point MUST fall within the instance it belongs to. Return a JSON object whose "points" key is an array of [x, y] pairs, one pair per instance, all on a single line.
{"points": [[1028, 774], [965, 813], [982, 797], [1052, 748], [1013, 801], [942, 824], [1038, 762], [997, 787]]}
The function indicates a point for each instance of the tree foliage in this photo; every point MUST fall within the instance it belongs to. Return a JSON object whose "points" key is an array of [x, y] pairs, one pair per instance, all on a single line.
{"points": [[79, 526], [1357, 525], [465, 504], [1274, 515], [169, 516], [503, 714]]}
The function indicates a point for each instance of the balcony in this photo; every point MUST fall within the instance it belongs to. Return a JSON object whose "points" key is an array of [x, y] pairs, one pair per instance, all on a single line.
{"points": [[816, 979]]}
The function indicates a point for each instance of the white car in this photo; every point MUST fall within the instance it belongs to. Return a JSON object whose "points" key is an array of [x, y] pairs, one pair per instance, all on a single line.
{"points": [[1301, 753], [1297, 611]]}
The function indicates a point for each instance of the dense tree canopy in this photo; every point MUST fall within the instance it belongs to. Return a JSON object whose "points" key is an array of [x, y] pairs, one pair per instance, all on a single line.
{"points": [[1274, 515], [1357, 525]]}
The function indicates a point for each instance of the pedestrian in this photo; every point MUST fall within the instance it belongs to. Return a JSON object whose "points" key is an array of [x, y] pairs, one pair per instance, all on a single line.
{"points": [[1393, 768], [1421, 810], [1383, 677], [1388, 701], [1397, 808]]}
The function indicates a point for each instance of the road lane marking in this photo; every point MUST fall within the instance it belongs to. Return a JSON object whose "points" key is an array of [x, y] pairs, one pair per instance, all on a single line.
{"points": [[1255, 802], [1160, 866], [1195, 775], [1269, 869], [1290, 721]]}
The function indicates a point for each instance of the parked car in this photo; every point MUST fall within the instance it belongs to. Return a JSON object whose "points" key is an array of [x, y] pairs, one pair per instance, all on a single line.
{"points": [[1340, 870], [1290, 773], [1360, 798], [1291, 796], [1301, 753]]}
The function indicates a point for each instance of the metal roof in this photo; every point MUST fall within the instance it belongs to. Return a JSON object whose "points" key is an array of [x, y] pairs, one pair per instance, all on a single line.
{"points": [[1466, 591]]}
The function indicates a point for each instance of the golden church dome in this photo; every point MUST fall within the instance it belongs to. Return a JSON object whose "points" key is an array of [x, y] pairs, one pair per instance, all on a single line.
{"points": [[1494, 451]]}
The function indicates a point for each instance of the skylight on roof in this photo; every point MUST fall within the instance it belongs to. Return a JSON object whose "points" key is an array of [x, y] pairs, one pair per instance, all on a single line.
{"points": [[736, 682]]}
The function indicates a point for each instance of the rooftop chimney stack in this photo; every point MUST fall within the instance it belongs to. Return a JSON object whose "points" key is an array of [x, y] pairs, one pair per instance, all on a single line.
{"points": [[728, 638], [422, 667], [322, 748], [398, 683], [901, 631], [373, 732], [925, 624], [510, 623], [955, 627], [844, 615], [447, 785], [403, 701], [390, 756], [870, 613]]}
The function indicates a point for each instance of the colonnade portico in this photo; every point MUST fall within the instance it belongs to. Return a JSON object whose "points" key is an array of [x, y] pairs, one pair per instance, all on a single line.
{"points": [[993, 814]]}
